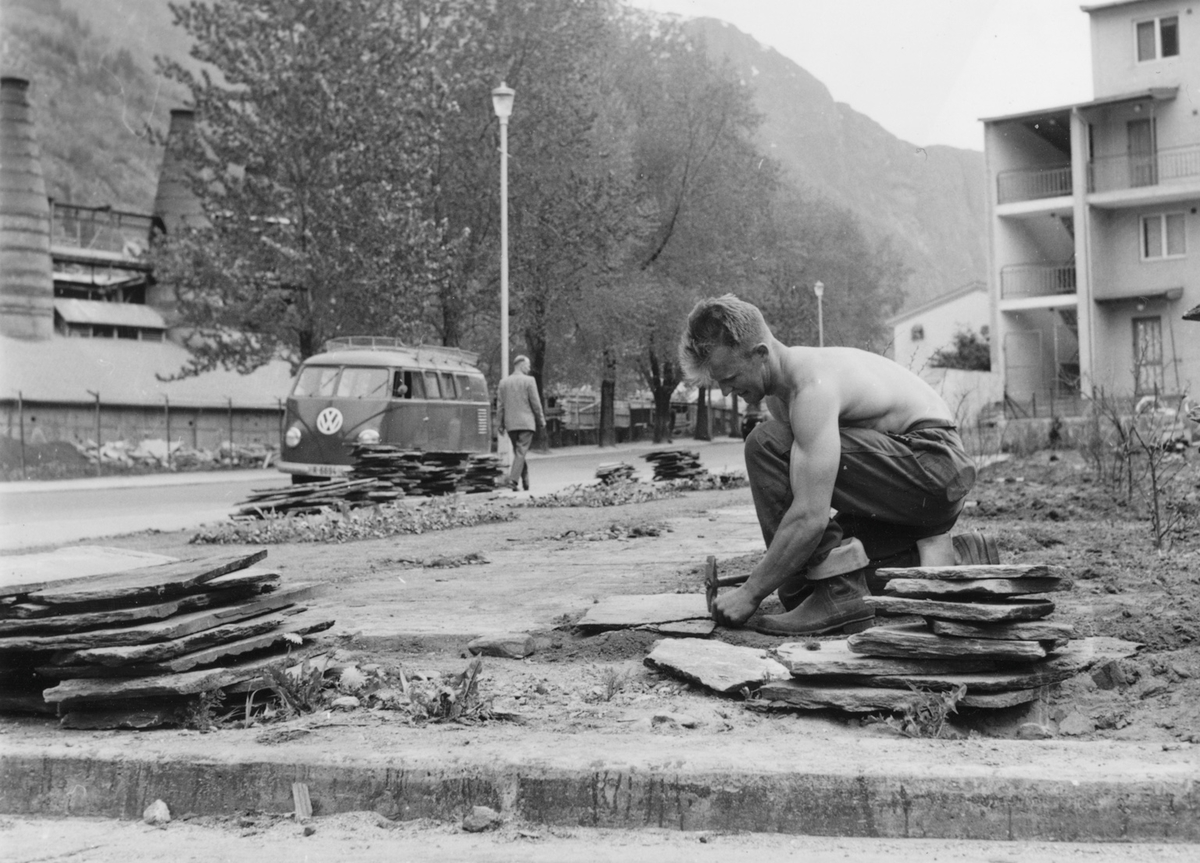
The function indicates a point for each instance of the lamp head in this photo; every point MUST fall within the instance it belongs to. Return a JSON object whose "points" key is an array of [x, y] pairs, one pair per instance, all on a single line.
{"points": [[502, 101], [819, 289]]}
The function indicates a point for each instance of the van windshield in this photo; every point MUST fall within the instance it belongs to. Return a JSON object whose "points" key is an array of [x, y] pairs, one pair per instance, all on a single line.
{"points": [[363, 383], [316, 381]]}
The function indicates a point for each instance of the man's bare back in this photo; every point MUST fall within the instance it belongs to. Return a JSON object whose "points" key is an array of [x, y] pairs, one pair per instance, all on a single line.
{"points": [[873, 391]]}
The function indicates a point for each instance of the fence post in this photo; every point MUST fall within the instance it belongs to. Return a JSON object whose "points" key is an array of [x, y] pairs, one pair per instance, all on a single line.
{"points": [[230, 431], [97, 395], [21, 422], [167, 416]]}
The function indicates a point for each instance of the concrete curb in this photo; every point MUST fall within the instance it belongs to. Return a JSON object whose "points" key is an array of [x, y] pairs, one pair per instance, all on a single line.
{"points": [[644, 782]]}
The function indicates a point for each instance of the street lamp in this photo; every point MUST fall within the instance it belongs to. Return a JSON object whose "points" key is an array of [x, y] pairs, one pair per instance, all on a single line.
{"points": [[502, 102], [819, 290]]}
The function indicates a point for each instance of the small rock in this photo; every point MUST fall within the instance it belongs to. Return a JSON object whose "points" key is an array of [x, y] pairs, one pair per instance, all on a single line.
{"points": [[510, 645], [680, 719], [1034, 731], [345, 702], [309, 830], [1076, 724], [1110, 675], [157, 814], [481, 818]]}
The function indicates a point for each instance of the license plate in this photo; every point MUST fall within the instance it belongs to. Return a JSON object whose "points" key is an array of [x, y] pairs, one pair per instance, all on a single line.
{"points": [[316, 469]]}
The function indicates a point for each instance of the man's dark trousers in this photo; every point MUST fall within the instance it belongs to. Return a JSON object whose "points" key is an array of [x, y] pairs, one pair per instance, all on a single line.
{"points": [[521, 441], [891, 489]]}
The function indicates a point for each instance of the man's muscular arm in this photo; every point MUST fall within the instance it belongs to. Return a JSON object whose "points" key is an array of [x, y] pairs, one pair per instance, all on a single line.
{"points": [[816, 452]]}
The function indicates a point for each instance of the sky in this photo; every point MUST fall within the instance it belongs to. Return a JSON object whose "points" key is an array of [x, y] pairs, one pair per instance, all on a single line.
{"points": [[926, 70]]}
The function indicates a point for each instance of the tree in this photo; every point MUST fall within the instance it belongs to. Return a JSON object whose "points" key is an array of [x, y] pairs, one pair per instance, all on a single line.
{"points": [[317, 126], [970, 352]]}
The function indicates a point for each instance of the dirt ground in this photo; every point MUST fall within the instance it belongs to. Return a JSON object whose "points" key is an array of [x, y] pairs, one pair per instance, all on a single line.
{"points": [[407, 606]]}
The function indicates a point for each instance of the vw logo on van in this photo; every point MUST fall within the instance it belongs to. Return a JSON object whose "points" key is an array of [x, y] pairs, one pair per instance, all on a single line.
{"points": [[329, 421]]}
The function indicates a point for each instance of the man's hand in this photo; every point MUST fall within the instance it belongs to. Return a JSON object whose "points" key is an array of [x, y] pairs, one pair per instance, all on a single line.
{"points": [[734, 607]]}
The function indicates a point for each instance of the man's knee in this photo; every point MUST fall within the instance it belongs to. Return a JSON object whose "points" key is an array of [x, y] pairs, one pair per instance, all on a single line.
{"points": [[767, 445]]}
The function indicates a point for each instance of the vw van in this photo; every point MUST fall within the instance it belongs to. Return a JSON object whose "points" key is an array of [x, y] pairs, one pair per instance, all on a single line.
{"points": [[371, 389]]}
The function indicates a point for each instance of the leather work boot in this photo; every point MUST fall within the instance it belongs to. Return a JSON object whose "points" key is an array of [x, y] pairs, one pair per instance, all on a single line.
{"points": [[846, 557], [835, 604], [974, 548]]}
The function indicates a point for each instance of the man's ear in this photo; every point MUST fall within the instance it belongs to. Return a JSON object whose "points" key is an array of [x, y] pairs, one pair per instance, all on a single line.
{"points": [[760, 350]]}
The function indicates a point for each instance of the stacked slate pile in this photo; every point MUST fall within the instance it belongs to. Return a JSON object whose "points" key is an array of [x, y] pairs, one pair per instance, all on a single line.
{"points": [[614, 471], [427, 473], [312, 497], [674, 464], [140, 647], [983, 627]]}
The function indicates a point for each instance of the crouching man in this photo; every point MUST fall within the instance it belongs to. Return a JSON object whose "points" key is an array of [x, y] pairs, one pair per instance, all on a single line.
{"points": [[850, 430]]}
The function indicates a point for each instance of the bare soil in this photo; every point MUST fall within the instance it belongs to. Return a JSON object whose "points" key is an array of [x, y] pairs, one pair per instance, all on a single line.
{"points": [[404, 606]]}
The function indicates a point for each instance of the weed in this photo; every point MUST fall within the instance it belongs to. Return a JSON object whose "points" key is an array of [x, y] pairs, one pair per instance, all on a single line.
{"points": [[925, 714], [201, 713], [612, 681], [456, 700]]}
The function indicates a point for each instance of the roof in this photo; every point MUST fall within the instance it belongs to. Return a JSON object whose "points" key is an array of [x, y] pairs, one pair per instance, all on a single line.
{"points": [[1111, 4], [109, 314], [1192, 314], [1157, 94], [957, 293], [126, 372]]}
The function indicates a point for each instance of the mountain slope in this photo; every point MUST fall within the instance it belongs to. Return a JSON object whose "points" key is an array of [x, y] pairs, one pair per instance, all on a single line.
{"points": [[930, 200]]}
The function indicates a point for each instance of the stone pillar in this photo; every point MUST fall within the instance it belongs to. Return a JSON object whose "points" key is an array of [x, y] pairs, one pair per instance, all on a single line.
{"points": [[26, 275]]}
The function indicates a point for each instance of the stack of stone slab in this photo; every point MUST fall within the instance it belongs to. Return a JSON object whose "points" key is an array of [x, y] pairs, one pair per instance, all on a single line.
{"points": [[138, 647], [674, 464], [430, 473], [613, 472]]}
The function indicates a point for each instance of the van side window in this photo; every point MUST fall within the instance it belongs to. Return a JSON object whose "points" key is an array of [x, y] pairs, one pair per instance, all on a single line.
{"points": [[448, 390], [400, 390], [472, 388], [432, 389], [414, 386]]}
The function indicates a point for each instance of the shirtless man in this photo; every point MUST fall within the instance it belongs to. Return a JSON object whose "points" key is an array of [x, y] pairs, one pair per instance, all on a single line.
{"points": [[850, 430]]}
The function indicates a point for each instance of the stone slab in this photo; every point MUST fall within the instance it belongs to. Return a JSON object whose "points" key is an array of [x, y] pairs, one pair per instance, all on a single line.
{"points": [[721, 667], [979, 612], [1032, 630], [915, 641], [980, 588], [630, 610], [683, 628], [974, 571], [1074, 659], [836, 659], [162, 580], [23, 573], [823, 696], [996, 700]]}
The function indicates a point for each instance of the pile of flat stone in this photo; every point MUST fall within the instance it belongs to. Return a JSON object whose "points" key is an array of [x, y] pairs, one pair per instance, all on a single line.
{"points": [[984, 627], [139, 647], [674, 464], [432, 473], [310, 498], [614, 472]]}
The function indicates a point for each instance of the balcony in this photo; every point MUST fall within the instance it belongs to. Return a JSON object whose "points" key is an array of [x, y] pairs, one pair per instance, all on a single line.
{"points": [[99, 232], [1019, 281], [1030, 184], [1126, 171]]}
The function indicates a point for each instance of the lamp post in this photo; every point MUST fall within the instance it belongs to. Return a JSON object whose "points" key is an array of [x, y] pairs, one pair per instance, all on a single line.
{"points": [[819, 290], [502, 102]]}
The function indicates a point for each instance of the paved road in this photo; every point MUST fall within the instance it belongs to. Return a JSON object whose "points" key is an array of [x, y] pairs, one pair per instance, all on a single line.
{"points": [[39, 514]]}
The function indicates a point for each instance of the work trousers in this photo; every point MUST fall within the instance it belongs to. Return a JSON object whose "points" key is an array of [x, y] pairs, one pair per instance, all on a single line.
{"points": [[521, 441], [891, 489]]}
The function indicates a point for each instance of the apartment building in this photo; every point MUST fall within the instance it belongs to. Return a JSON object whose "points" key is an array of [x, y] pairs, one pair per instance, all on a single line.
{"points": [[1094, 224]]}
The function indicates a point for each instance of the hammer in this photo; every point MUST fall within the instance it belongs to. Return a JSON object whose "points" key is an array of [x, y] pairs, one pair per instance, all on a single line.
{"points": [[713, 582]]}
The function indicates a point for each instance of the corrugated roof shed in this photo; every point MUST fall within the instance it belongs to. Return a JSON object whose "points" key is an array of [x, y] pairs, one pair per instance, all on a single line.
{"points": [[125, 372], [111, 314]]}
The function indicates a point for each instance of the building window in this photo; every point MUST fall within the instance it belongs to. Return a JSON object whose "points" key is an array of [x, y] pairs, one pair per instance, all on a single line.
{"points": [[1147, 356], [1158, 38], [1163, 236], [917, 333]]}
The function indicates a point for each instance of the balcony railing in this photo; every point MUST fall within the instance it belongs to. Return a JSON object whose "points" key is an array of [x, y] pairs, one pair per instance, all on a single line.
{"points": [[1110, 173], [1036, 280], [1029, 184], [99, 229]]}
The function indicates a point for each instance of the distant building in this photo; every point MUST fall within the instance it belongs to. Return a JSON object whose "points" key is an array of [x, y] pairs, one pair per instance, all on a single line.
{"points": [[85, 331], [919, 333], [1094, 229]]}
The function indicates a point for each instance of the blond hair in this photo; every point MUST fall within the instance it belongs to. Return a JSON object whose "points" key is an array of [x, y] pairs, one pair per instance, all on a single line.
{"points": [[719, 322]]}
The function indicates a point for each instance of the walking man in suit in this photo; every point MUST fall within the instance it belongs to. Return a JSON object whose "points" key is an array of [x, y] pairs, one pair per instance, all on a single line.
{"points": [[519, 412]]}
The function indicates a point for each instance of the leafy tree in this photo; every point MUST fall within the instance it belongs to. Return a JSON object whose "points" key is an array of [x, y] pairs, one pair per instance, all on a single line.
{"points": [[316, 129], [970, 352]]}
